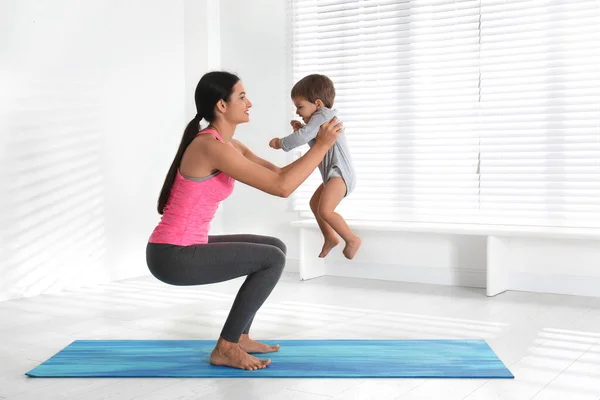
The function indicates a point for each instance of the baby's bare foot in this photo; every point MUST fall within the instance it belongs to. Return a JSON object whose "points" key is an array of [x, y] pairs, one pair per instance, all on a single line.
{"points": [[252, 346], [329, 244], [233, 356], [352, 247]]}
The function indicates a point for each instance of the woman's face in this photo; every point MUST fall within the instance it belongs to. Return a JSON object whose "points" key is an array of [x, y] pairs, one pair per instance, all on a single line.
{"points": [[238, 106]]}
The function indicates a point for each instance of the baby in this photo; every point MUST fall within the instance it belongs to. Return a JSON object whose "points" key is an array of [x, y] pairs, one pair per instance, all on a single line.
{"points": [[313, 97]]}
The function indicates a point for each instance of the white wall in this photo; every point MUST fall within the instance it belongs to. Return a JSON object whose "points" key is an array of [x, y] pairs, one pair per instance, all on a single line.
{"points": [[93, 100], [254, 45]]}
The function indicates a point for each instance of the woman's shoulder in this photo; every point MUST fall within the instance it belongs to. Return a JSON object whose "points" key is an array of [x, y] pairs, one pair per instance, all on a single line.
{"points": [[209, 147], [239, 146], [203, 145]]}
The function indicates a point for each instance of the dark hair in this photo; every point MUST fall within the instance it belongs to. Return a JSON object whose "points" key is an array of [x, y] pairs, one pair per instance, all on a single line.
{"points": [[314, 87], [213, 86]]}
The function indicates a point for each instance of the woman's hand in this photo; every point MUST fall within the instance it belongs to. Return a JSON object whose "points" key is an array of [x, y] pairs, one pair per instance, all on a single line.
{"points": [[329, 132]]}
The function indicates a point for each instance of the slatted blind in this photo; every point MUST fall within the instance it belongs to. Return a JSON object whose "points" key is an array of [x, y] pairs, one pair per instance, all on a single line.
{"points": [[406, 78], [465, 111], [540, 109]]}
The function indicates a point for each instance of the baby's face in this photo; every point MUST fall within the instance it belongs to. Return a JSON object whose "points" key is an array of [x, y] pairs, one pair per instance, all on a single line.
{"points": [[304, 108]]}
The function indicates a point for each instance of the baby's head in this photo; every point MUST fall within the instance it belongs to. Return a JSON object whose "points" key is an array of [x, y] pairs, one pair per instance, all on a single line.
{"points": [[311, 93]]}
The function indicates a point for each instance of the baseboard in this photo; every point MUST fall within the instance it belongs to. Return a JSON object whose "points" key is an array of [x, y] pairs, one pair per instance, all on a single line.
{"points": [[416, 274], [555, 283], [518, 281]]}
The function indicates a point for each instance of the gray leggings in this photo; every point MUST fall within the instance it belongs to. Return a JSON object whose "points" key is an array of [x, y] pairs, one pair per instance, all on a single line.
{"points": [[224, 257]]}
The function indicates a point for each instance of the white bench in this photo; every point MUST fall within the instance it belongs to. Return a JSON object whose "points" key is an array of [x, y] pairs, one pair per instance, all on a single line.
{"points": [[497, 235]]}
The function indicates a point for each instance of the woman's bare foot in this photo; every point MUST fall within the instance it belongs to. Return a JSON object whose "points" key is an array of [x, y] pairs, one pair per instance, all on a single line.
{"points": [[352, 247], [252, 346], [329, 244], [230, 354]]}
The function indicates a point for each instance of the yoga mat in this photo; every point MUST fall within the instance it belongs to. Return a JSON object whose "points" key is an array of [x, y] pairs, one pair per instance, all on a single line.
{"points": [[295, 359]]}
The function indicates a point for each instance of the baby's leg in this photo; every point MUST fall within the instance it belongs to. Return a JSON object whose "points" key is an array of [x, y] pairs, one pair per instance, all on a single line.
{"points": [[332, 195], [329, 235]]}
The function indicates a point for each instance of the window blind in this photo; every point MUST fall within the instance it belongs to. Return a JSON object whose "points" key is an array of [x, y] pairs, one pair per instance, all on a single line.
{"points": [[460, 111], [540, 110]]}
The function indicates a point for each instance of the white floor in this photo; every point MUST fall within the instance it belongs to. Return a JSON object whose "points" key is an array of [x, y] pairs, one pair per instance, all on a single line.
{"points": [[551, 343]]}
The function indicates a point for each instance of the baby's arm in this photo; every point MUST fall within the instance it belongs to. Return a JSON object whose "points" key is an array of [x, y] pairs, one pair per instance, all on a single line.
{"points": [[305, 134]]}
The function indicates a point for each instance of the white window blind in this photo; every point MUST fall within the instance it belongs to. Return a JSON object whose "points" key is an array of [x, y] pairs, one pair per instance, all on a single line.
{"points": [[540, 110], [465, 111]]}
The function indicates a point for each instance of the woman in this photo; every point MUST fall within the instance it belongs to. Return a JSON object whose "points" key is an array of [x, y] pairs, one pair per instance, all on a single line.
{"points": [[180, 251]]}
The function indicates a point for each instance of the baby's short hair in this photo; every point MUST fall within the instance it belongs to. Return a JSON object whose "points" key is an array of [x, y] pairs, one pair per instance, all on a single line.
{"points": [[313, 87]]}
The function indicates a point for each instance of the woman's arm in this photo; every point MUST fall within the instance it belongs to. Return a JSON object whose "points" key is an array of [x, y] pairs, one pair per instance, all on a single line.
{"points": [[227, 159], [246, 152], [261, 161]]}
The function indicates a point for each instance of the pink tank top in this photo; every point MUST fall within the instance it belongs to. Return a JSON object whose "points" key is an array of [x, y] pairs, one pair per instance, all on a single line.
{"points": [[191, 207]]}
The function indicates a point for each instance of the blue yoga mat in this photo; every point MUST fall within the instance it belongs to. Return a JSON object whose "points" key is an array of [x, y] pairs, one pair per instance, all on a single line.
{"points": [[295, 359]]}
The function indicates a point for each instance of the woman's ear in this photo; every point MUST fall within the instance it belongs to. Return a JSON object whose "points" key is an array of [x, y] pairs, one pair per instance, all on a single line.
{"points": [[221, 105], [319, 104]]}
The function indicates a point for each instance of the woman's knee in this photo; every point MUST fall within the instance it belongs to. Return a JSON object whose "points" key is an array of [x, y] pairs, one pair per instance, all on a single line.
{"points": [[277, 260], [280, 258], [279, 243], [273, 241]]}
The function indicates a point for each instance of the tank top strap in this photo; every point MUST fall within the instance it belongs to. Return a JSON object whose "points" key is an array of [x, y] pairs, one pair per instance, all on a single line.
{"points": [[212, 132]]}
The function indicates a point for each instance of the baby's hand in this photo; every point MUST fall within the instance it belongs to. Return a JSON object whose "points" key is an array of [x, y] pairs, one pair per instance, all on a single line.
{"points": [[275, 143], [296, 124]]}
